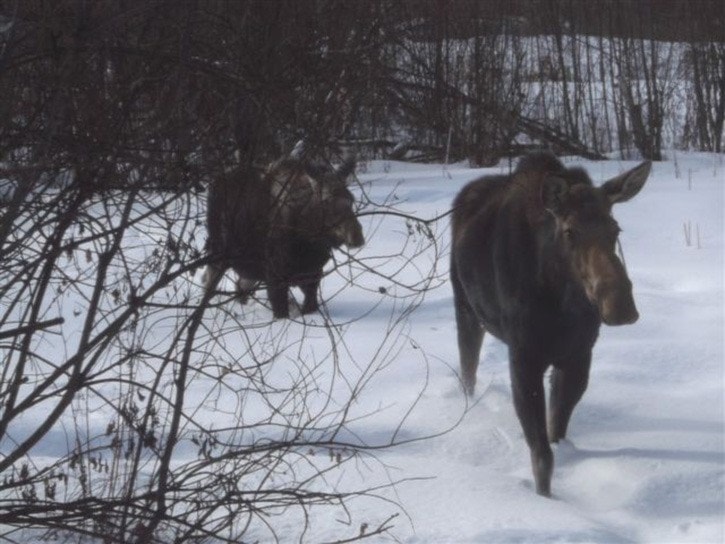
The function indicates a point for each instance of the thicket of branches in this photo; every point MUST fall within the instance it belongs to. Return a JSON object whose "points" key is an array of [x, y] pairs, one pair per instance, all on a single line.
{"points": [[447, 79], [132, 409], [479, 80]]}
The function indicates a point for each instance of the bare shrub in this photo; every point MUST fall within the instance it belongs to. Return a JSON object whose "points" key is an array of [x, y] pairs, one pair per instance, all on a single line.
{"points": [[132, 409]]}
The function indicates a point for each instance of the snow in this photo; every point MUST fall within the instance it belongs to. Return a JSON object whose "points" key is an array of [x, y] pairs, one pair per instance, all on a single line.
{"points": [[645, 455]]}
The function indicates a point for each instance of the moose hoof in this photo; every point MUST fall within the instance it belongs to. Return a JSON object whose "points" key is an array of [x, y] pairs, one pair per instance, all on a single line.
{"points": [[310, 309], [544, 491], [543, 468], [469, 385]]}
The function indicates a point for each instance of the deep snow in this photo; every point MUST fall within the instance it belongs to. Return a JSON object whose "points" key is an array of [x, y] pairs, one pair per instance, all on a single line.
{"points": [[645, 459]]}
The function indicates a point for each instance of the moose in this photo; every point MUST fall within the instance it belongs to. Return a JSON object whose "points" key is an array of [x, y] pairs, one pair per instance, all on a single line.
{"points": [[280, 228], [533, 261]]}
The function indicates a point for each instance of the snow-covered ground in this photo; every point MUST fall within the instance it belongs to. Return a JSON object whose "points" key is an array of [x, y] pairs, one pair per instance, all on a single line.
{"points": [[645, 459]]}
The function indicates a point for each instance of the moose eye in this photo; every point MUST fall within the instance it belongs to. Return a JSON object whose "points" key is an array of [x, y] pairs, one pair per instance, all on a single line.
{"points": [[341, 205], [569, 236]]}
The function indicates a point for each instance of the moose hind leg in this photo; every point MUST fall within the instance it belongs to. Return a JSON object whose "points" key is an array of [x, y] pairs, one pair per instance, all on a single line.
{"points": [[567, 387], [212, 274], [528, 393], [245, 288], [470, 337]]}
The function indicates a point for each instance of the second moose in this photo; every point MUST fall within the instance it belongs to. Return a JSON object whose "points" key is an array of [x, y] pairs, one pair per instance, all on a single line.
{"points": [[280, 228]]}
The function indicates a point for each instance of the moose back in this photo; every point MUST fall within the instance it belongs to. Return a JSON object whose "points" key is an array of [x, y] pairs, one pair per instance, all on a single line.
{"points": [[533, 262], [280, 228]]}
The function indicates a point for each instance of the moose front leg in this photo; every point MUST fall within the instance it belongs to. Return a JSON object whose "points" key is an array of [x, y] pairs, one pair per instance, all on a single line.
{"points": [[528, 391], [568, 384], [310, 288], [277, 292], [277, 278]]}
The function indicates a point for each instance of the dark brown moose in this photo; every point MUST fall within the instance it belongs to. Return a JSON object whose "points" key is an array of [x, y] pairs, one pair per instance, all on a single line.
{"points": [[280, 228], [533, 262]]}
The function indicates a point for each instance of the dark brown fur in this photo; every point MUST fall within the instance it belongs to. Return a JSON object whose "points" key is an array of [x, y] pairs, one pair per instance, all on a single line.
{"points": [[280, 228], [533, 262]]}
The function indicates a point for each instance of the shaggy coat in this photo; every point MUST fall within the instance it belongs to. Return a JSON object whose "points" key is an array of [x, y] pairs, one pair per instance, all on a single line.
{"points": [[280, 228], [533, 262]]}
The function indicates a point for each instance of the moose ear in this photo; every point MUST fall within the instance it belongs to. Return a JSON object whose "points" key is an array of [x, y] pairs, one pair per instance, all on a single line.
{"points": [[554, 194], [346, 168], [626, 185]]}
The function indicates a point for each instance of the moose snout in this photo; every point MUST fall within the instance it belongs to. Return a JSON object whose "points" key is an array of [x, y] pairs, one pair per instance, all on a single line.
{"points": [[618, 307], [352, 235], [610, 290], [357, 240], [615, 319]]}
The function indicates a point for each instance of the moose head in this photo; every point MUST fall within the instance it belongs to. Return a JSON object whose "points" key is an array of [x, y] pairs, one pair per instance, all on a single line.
{"points": [[587, 236], [313, 199]]}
